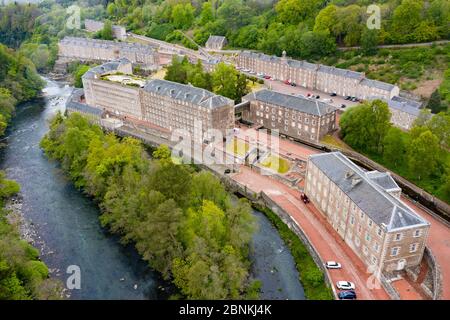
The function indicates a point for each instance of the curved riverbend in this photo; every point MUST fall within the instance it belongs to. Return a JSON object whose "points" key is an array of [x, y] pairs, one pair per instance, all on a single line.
{"points": [[67, 230]]}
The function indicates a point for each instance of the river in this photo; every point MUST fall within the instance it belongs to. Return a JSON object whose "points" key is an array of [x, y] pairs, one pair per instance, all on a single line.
{"points": [[67, 231]]}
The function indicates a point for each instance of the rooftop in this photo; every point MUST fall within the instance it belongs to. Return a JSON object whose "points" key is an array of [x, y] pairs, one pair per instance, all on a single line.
{"points": [[310, 106], [187, 93], [368, 191], [105, 68]]}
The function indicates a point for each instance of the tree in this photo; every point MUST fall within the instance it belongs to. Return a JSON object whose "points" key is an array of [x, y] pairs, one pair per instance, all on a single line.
{"points": [[294, 11], [405, 20], [162, 152], [206, 14], [315, 45], [394, 147], [423, 155], [183, 15], [78, 74], [228, 82], [434, 104], [107, 32], [326, 19], [369, 41], [364, 127]]}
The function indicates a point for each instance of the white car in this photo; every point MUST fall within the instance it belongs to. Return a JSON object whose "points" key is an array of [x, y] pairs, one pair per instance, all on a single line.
{"points": [[345, 285], [333, 265]]}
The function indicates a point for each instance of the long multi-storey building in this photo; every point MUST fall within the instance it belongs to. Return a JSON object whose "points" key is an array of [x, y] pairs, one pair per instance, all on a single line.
{"points": [[159, 103], [177, 106], [105, 50], [365, 209], [315, 76], [294, 116]]}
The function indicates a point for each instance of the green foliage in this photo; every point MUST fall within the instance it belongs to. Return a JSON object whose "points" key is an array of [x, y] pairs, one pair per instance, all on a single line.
{"points": [[22, 276], [183, 223], [420, 155], [311, 276], [365, 126], [78, 73], [107, 32], [224, 80]]}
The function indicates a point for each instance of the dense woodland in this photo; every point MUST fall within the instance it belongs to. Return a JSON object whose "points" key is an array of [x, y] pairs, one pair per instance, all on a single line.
{"points": [[420, 155], [181, 221]]}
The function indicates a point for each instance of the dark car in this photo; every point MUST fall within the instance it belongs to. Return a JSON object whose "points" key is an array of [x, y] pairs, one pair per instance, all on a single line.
{"points": [[227, 171], [343, 106], [293, 84], [333, 94], [347, 295], [348, 97], [317, 97], [304, 198]]}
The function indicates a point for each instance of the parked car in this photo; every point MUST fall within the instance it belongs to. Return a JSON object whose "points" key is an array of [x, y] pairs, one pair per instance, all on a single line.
{"points": [[354, 99], [345, 285], [308, 94], [286, 82], [333, 265], [260, 74], [317, 97], [293, 84], [227, 171], [348, 97], [266, 77], [343, 106], [347, 295], [333, 94]]}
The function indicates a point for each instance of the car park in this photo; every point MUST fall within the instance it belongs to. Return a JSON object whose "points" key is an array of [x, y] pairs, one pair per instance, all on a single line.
{"points": [[347, 295], [333, 265], [345, 285]]}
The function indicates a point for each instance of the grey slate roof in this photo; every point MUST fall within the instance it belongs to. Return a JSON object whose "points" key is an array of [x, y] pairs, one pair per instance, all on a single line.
{"points": [[310, 106], [105, 68], [341, 72], [187, 93], [380, 206], [377, 84], [74, 104], [383, 179], [405, 105], [216, 40], [87, 42]]}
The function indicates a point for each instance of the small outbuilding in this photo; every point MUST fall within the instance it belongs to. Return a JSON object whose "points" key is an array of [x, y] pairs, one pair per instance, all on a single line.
{"points": [[216, 42]]}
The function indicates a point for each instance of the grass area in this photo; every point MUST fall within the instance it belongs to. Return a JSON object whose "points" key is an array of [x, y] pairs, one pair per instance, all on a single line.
{"points": [[332, 141], [276, 163], [311, 276], [410, 68], [238, 147], [160, 74]]}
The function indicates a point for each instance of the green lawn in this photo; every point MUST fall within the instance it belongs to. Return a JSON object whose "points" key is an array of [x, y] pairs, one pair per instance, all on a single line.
{"points": [[238, 147], [276, 163]]}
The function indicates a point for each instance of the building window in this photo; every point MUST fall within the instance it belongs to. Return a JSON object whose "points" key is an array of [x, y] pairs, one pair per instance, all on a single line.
{"points": [[398, 237], [365, 250], [373, 259], [367, 237], [352, 219], [417, 233], [376, 247], [357, 242], [370, 223], [413, 247], [359, 229], [379, 231], [395, 251]]}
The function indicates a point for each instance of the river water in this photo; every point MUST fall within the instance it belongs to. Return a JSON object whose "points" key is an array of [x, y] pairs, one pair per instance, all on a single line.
{"points": [[67, 231]]}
